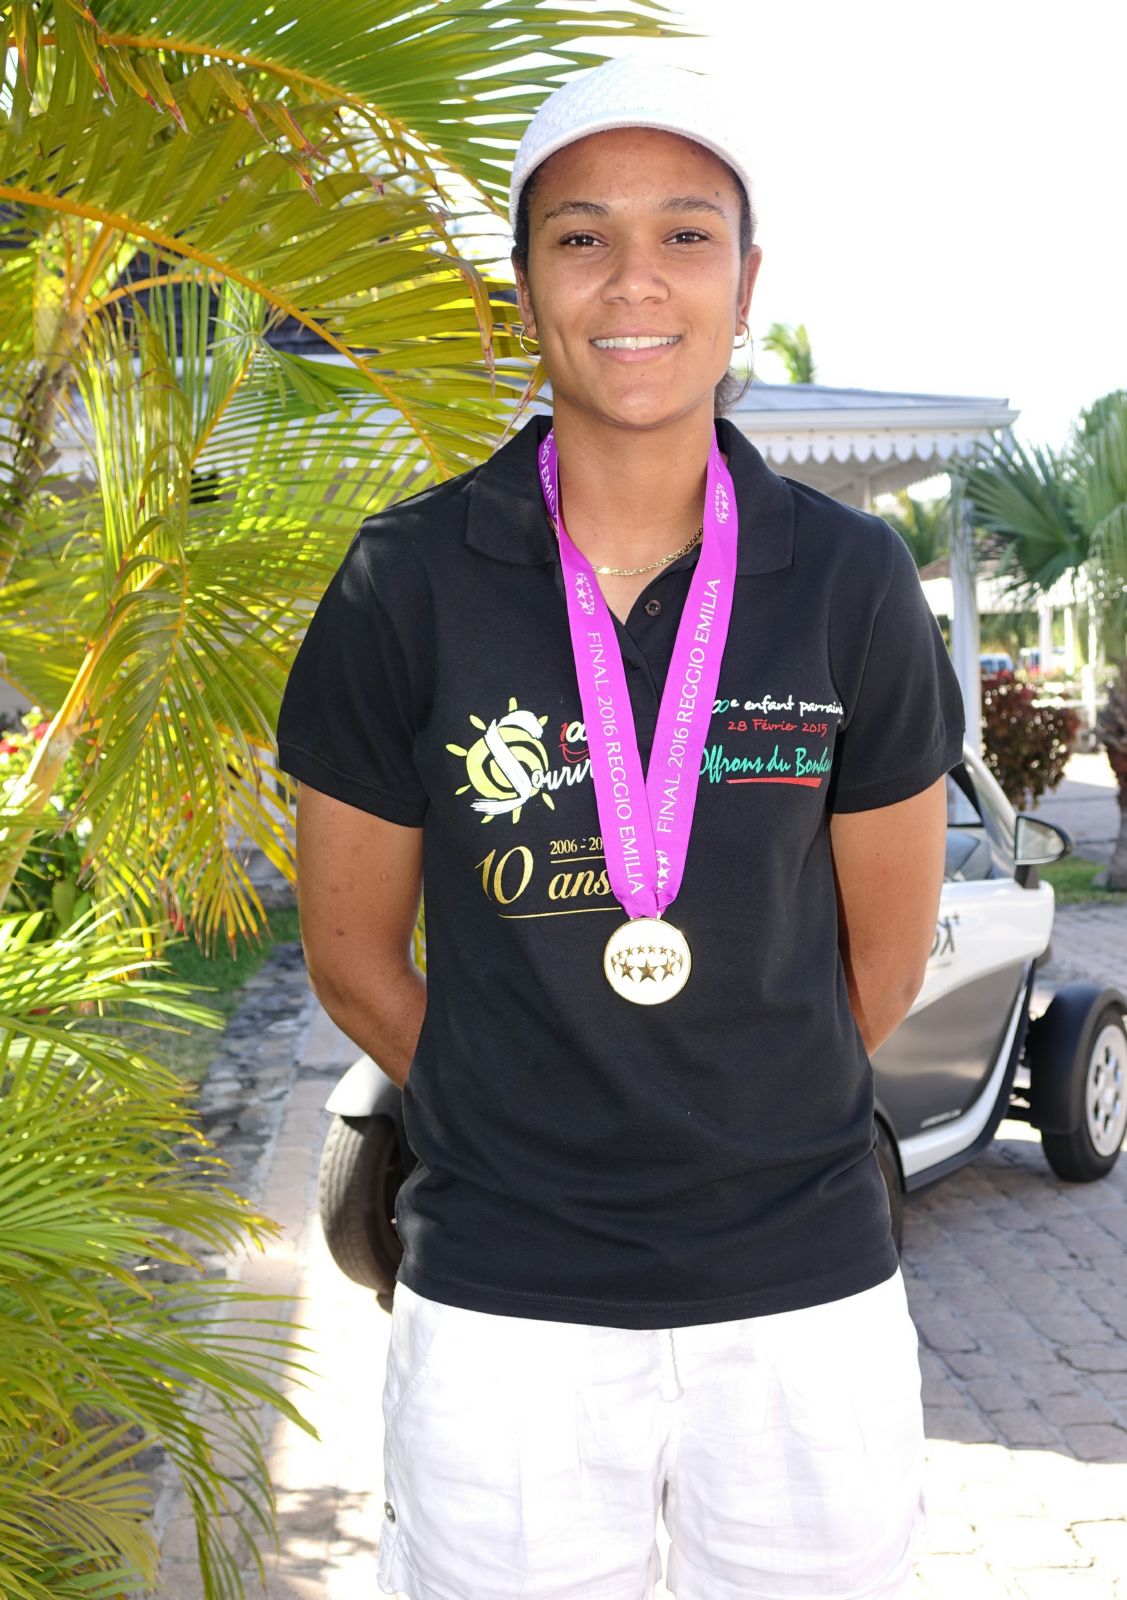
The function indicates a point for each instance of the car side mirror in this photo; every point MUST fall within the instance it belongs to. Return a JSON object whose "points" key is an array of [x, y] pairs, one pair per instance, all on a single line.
{"points": [[1037, 842]]}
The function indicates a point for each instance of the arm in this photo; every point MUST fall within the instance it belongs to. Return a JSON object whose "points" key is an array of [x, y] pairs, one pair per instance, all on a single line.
{"points": [[888, 870], [359, 883]]}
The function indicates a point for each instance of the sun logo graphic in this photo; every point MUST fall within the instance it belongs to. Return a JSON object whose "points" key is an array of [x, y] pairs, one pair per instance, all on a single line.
{"points": [[507, 764], [721, 503], [584, 593]]}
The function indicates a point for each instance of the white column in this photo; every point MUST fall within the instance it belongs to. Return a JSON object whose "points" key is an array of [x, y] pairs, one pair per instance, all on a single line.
{"points": [[1088, 670], [1045, 633], [1070, 632], [964, 618]]}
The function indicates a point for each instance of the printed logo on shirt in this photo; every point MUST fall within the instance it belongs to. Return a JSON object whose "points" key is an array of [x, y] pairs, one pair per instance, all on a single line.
{"points": [[508, 765], [762, 740], [753, 752]]}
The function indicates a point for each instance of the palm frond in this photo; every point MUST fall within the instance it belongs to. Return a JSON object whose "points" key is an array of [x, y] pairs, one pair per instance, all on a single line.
{"points": [[108, 1193], [438, 85], [1025, 498], [1103, 450]]}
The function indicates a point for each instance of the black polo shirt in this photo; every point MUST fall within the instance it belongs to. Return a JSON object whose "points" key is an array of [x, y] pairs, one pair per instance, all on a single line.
{"points": [[583, 1158]]}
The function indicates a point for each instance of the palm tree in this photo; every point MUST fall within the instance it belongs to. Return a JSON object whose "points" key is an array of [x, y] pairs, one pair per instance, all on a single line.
{"points": [[238, 312], [924, 525], [792, 345], [169, 197], [1051, 514], [1111, 725]]}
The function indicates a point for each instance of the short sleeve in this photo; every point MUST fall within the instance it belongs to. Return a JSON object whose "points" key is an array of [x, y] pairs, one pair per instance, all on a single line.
{"points": [[907, 724], [345, 725]]}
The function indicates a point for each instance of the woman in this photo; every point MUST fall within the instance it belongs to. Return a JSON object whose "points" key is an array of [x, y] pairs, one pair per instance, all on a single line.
{"points": [[621, 667]]}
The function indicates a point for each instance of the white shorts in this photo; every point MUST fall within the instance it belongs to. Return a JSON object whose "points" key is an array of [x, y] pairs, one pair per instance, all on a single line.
{"points": [[527, 1459]]}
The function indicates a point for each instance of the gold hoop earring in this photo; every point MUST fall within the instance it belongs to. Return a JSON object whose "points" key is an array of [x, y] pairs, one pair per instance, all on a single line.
{"points": [[524, 347], [739, 344]]}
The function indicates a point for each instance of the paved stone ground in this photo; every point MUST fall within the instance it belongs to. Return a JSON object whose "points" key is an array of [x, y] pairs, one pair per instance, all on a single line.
{"points": [[1018, 1287], [1017, 1282]]}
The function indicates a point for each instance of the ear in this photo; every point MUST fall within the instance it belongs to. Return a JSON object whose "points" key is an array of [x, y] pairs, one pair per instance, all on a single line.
{"points": [[747, 281], [524, 297]]}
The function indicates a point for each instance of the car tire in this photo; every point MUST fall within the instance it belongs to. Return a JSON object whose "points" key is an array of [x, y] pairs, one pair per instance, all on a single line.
{"points": [[890, 1172], [1099, 1087], [358, 1179]]}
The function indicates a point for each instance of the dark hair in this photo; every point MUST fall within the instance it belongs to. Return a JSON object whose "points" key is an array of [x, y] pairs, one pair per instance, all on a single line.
{"points": [[731, 386]]}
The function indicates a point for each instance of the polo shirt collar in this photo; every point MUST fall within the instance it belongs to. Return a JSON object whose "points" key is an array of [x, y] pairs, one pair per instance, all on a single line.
{"points": [[506, 520]]}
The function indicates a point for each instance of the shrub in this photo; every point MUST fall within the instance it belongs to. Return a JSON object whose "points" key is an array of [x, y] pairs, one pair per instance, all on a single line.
{"points": [[50, 876], [1026, 745]]}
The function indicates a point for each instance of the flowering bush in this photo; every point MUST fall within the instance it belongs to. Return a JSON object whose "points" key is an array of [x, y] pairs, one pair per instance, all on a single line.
{"points": [[50, 878], [1026, 745]]}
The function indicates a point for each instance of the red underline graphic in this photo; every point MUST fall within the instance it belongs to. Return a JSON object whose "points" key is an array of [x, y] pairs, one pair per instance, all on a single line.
{"points": [[809, 782]]}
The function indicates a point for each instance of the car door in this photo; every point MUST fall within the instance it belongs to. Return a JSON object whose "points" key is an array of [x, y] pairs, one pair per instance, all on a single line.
{"points": [[935, 1074]]}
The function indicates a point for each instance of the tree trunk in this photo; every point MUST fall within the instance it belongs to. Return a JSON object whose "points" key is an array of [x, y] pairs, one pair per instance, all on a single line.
{"points": [[1117, 866]]}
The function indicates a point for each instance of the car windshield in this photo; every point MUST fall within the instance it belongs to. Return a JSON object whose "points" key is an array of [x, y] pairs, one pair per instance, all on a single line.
{"points": [[979, 826]]}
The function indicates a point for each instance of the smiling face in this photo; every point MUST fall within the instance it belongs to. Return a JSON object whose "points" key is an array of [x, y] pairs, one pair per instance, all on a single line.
{"points": [[635, 232]]}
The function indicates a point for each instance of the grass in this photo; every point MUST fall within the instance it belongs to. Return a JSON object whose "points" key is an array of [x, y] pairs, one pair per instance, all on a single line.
{"points": [[1072, 883], [219, 981]]}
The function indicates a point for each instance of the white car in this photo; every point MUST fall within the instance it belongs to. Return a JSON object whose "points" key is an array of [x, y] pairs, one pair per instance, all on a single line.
{"points": [[968, 1054]]}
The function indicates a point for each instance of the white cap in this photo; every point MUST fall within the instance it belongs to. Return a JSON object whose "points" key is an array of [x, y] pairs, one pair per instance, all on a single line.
{"points": [[634, 91]]}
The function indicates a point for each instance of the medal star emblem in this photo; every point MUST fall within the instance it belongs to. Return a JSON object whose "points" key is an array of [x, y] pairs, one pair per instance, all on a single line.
{"points": [[648, 969]]}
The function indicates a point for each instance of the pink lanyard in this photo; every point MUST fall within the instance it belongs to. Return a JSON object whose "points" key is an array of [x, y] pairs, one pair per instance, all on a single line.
{"points": [[646, 823]]}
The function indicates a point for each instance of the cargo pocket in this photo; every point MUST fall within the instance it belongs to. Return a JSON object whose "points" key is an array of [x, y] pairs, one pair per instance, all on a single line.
{"points": [[415, 1325]]}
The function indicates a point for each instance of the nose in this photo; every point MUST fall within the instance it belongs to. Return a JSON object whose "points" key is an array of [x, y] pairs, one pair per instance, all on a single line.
{"points": [[634, 273]]}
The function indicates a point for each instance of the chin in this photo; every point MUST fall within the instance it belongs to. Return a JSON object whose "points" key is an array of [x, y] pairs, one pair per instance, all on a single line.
{"points": [[650, 410], [632, 403]]}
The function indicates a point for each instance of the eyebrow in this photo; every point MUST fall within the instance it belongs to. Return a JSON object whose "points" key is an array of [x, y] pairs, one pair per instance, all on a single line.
{"points": [[595, 208]]}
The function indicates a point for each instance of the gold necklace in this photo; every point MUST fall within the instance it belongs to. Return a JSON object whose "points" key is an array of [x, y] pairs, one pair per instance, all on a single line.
{"points": [[633, 572]]}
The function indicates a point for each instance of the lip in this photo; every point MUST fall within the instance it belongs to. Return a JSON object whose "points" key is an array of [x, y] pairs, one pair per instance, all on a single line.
{"points": [[630, 356]]}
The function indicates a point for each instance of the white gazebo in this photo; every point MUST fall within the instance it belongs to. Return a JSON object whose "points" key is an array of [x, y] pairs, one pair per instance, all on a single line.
{"points": [[858, 443]]}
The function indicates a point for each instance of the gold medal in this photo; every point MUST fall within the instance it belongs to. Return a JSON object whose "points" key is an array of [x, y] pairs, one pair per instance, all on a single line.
{"points": [[647, 961]]}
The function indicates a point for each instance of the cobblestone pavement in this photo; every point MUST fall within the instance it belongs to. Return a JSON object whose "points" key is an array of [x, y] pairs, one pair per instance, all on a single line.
{"points": [[1018, 1287], [1017, 1282]]}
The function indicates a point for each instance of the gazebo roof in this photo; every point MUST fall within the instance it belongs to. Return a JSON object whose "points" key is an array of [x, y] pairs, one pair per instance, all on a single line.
{"points": [[857, 443]]}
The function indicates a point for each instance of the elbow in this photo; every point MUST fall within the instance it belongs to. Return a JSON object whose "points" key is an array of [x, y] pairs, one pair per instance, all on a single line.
{"points": [[341, 981], [882, 994], [900, 998], [889, 974], [912, 984]]}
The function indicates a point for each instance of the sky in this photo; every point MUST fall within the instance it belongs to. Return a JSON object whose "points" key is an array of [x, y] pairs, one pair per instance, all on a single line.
{"points": [[940, 191]]}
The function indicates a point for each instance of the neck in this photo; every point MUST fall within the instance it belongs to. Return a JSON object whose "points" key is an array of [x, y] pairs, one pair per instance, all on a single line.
{"points": [[630, 495]]}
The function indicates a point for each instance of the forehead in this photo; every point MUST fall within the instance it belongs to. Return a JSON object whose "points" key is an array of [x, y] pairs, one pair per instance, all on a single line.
{"points": [[631, 163]]}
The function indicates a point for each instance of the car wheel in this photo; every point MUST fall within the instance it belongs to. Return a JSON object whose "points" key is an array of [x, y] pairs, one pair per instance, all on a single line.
{"points": [[358, 1180], [890, 1172], [1100, 1075]]}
